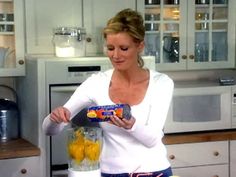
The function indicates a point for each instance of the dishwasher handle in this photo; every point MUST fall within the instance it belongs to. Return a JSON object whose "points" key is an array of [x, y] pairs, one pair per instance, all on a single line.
{"points": [[63, 89]]}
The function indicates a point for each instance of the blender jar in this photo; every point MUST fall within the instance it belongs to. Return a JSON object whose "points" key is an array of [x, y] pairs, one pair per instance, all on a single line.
{"points": [[84, 148], [69, 41]]}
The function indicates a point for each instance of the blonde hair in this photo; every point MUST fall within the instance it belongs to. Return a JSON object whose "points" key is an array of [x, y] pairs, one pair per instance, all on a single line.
{"points": [[128, 21]]}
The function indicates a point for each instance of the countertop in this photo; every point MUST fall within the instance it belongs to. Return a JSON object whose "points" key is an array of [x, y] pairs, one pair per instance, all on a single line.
{"points": [[199, 137], [18, 148], [22, 148]]}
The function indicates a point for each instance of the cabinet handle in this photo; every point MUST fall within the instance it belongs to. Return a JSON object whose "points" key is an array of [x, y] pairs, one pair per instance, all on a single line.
{"points": [[172, 157], [23, 171], [88, 39], [216, 153], [21, 62], [191, 57], [184, 57]]}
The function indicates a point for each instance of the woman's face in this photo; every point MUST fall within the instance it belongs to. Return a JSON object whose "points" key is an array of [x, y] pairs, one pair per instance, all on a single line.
{"points": [[123, 51]]}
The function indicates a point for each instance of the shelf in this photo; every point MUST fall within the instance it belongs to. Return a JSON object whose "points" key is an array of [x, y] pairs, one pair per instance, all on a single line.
{"points": [[220, 5], [7, 23], [213, 31], [152, 32], [7, 33], [152, 6], [171, 31], [6, 1], [150, 21], [171, 5], [219, 31]]}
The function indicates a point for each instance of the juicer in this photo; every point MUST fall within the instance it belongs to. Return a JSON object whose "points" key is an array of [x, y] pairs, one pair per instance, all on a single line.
{"points": [[84, 148]]}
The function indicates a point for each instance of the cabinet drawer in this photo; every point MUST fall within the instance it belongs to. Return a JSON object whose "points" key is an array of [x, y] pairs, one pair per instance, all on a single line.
{"points": [[20, 167], [203, 171], [193, 154]]}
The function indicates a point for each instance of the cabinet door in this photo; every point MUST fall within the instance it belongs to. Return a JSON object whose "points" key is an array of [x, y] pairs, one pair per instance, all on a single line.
{"points": [[203, 171], [196, 154], [165, 23], [190, 35], [96, 15], [11, 38], [232, 158], [20, 167], [211, 44], [42, 16]]}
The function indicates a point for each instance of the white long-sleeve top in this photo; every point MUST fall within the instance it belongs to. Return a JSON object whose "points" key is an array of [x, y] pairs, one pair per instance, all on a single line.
{"points": [[139, 149]]}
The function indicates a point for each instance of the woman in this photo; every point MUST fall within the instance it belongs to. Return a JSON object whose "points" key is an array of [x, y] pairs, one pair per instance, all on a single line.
{"points": [[130, 147]]}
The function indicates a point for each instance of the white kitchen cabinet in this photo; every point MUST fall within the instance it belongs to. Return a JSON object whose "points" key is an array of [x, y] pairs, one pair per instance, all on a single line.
{"points": [[203, 171], [232, 158], [45, 15], [20, 167], [200, 159], [190, 36], [96, 15], [12, 38]]}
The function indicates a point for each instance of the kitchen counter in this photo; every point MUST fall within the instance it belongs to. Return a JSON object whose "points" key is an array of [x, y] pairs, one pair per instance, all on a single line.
{"points": [[199, 137], [18, 148], [22, 148]]}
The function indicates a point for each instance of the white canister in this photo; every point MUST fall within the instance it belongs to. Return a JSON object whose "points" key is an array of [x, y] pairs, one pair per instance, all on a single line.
{"points": [[69, 42]]}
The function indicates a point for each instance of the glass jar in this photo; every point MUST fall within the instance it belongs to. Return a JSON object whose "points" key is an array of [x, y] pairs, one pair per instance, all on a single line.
{"points": [[69, 41]]}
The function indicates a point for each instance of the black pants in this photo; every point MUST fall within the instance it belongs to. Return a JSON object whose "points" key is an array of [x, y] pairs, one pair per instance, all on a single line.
{"points": [[164, 173]]}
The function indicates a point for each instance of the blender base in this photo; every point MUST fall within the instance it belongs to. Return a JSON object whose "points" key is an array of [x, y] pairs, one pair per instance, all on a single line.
{"points": [[93, 173]]}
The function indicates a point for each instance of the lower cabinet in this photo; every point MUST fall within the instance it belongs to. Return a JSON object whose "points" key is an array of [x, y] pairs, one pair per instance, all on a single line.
{"points": [[203, 171], [206, 159], [233, 158], [20, 167]]}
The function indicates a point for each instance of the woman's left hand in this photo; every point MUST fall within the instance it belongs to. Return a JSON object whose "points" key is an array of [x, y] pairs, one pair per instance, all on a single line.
{"points": [[124, 123]]}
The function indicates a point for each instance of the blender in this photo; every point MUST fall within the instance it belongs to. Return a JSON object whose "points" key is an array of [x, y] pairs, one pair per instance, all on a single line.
{"points": [[84, 148]]}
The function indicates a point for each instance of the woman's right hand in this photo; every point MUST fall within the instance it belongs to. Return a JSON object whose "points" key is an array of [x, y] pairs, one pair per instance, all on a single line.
{"points": [[60, 114]]}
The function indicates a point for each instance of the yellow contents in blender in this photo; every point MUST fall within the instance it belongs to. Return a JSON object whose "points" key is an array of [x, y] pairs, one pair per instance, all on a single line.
{"points": [[92, 150], [81, 148]]}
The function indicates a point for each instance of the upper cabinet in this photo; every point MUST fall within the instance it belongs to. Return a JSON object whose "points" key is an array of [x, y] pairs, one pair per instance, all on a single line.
{"points": [[43, 16], [190, 34], [96, 15], [12, 38]]}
